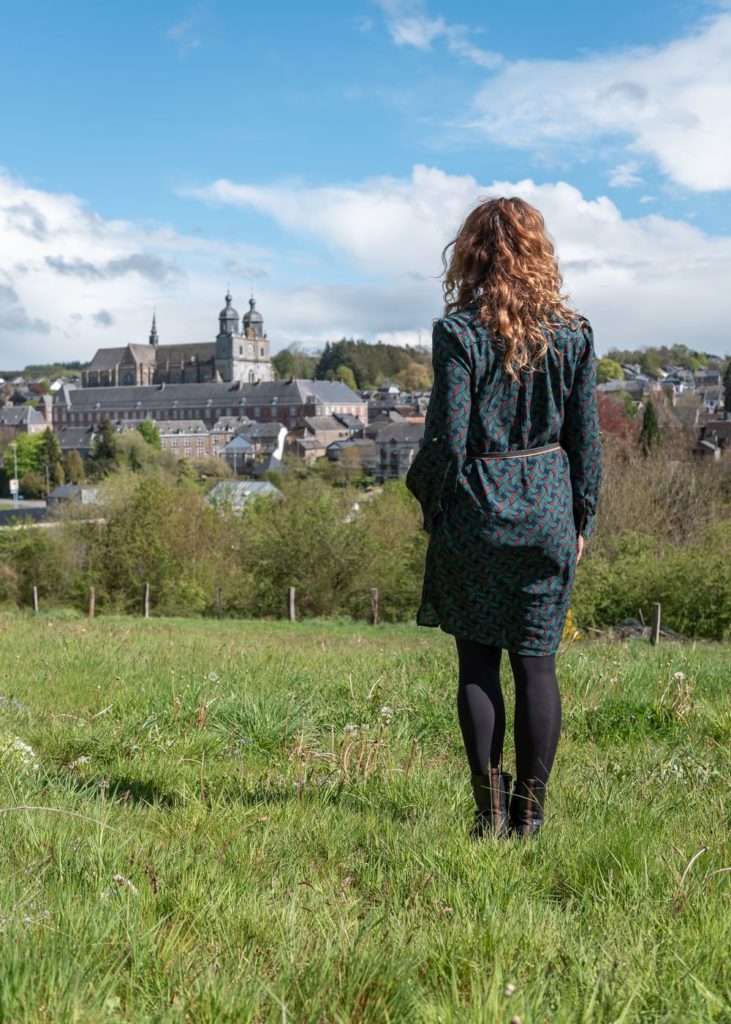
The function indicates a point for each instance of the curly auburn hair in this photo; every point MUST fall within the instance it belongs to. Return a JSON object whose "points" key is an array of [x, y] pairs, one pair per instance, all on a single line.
{"points": [[504, 259]]}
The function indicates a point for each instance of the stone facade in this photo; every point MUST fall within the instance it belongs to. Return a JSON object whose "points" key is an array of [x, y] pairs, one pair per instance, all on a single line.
{"points": [[289, 402], [239, 354]]}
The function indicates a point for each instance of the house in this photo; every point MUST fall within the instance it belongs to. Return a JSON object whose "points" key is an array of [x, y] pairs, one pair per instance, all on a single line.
{"points": [[77, 493], [714, 438], [396, 445], [77, 439], [238, 453], [186, 439], [21, 419], [236, 493], [287, 402], [307, 448], [707, 378], [350, 450]]}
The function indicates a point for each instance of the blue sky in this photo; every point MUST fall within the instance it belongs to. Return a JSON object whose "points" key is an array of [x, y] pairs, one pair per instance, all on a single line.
{"points": [[322, 154]]}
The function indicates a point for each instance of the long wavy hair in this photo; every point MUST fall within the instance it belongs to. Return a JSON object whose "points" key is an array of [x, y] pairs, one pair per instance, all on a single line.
{"points": [[504, 260]]}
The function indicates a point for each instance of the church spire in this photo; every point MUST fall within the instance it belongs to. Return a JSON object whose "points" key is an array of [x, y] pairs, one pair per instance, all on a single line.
{"points": [[153, 333]]}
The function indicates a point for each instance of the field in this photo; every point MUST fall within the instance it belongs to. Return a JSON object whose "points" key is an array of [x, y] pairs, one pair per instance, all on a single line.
{"points": [[266, 821]]}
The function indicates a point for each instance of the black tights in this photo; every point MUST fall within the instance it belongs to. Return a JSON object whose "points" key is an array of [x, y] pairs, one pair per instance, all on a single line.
{"points": [[481, 709]]}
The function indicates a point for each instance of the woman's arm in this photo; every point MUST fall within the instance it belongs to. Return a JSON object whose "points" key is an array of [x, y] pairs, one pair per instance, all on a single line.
{"points": [[581, 436], [436, 466]]}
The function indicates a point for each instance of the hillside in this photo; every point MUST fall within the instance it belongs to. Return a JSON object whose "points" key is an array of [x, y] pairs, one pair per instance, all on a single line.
{"points": [[263, 821]]}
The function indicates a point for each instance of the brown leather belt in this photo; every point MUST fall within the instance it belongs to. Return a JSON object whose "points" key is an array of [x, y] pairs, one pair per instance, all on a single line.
{"points": [[516, 453]]}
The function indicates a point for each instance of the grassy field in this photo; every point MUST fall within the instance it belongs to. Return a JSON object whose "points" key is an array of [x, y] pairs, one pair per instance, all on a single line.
{"points": [[264, 821]]}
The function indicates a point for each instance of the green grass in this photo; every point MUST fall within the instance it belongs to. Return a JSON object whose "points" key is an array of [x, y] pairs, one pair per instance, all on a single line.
{"points": [[286, 870]]}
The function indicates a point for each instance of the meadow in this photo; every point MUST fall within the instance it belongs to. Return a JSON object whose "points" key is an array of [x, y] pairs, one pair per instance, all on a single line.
{"points": [[265, 821]]}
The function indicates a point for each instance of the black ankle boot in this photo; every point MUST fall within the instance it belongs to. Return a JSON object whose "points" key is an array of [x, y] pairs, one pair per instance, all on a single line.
{"points": [[526, 807], [492, 792]]}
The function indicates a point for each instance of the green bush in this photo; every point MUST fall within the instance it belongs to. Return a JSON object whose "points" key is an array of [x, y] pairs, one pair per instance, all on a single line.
{"points": [[692, 583]]}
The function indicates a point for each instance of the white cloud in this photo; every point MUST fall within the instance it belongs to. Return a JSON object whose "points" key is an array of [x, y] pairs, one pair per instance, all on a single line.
{"points": [[641, 280], [409, 25], [67, 272], [625, 175], [671, 102], [186, 34]]}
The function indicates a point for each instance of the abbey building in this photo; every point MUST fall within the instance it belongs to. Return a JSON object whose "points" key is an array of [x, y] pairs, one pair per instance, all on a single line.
{"points": [[237, 354]]}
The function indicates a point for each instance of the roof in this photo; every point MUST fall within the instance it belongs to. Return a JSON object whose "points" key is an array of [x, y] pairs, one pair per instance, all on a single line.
{"points": [[72, 490], [228, 424], [324, 423], [106, 358], [143, 353], [308, 442], [272, 428], [14, 415], [228, 312], [351, 422], [238, 492], [270, 464], [403, 433], [168, 427], [253, 316], [224, 392], [352, 442], [75, 437], [238, 444]]}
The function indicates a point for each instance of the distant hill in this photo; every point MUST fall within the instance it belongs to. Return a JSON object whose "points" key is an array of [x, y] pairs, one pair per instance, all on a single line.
{"points": [[72, 369], [371, 364]]}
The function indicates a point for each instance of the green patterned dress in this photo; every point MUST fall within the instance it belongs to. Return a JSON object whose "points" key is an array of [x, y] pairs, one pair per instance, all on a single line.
{"points": [[501, 558]]}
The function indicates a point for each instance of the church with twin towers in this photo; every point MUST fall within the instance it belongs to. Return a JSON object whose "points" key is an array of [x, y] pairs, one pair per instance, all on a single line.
{"points": [[240, 353]]}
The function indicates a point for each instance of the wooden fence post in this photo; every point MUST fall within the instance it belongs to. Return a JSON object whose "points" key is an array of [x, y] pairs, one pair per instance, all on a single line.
{"points": [[292, 615], [92, 601], [374, 606], [219, 603], [35, 598], [147, 600], [655, 631]]}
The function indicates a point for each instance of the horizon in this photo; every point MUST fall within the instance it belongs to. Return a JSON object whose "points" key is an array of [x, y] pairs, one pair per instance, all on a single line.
{"points": [[323, 158]]}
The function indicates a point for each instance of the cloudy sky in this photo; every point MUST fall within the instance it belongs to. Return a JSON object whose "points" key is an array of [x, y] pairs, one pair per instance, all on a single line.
{"points": [[322, 154]]}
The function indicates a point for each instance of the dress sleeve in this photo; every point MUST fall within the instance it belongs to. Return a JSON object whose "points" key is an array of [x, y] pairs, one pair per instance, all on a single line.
{"points": [[581, 436], [434, 472]]}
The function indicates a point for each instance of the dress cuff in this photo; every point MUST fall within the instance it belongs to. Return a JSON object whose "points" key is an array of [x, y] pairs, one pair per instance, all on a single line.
{"points": [[584, 519]]}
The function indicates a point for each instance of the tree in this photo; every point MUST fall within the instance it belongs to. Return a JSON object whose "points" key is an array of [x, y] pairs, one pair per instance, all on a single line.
{"points": [[151, 433], [727, 387], [103, 455], [33, 484], [612, 416], [293, 362], [50, 458], [650, 363], [650, 437], [346, 375], [414, 377], [74, 467], [608, 369]]}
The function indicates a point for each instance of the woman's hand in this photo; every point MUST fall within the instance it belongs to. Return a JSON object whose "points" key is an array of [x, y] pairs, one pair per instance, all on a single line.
{"points": [[579, 546]]}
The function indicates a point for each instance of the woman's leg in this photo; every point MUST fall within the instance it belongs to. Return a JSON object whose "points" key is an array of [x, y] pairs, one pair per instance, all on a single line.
{"points": [[537, 715], [480, 705]]}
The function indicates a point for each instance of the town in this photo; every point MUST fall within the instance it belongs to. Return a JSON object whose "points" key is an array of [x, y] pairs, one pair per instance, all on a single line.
{"points": [[224, 400]]}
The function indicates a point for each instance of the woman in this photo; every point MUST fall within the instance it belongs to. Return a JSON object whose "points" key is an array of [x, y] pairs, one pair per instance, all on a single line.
{"points": [[508, 477]]}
